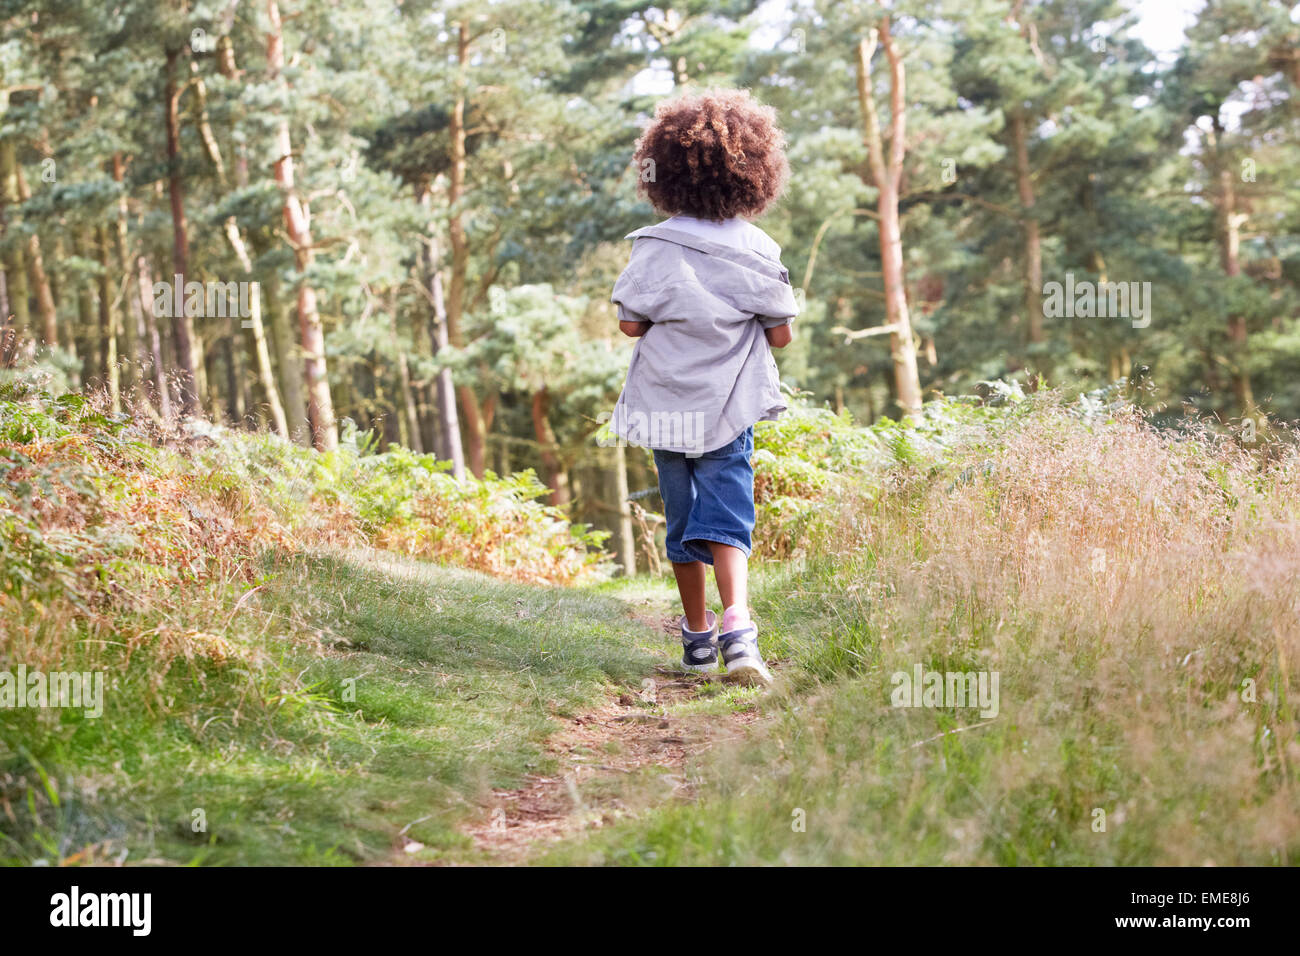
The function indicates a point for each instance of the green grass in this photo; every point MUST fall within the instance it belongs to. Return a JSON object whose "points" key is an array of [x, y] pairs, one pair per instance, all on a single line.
{"points": [[458, 679], [836, 775], [1134, 591], [438, 685]]}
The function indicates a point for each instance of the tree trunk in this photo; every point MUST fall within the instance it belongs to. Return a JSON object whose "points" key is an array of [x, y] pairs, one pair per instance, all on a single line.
{"points": [[209, 387], [902, 349], [1033, 255], [236, 407], [40, 280], [427, 410], [187, 375], [144, 287], [1230, 221], [108, 321], [18, 321], [556, 477], [160, 266], [60, 254], [475, 430], [253, 321], [626, 532], [286, 357], [320, 404], [439, 337], [887, 172], [409, 420], [91, 345], [131, 317]]}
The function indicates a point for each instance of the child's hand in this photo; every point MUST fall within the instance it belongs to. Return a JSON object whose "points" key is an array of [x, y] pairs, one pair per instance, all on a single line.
{"points": [[634, 329], [779, 337]]}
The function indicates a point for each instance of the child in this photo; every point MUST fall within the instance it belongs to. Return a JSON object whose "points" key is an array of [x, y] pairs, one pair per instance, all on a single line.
{"points": [[705, 294]]}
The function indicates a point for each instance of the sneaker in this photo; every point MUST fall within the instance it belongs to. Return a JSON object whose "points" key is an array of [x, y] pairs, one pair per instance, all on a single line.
{"points": [[700, 648], [744, 665]]}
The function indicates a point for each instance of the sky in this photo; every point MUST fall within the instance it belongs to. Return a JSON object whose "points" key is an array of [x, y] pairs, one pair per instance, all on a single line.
{"points": [[1160, 26], [1161, 22]]}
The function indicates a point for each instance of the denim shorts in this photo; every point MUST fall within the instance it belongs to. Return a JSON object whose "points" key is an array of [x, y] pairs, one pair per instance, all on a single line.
{"points": [[708, 498]]}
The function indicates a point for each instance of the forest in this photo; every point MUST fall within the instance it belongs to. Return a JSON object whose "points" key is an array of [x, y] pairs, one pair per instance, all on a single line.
{"points": [[307, 365], [428, 201]]}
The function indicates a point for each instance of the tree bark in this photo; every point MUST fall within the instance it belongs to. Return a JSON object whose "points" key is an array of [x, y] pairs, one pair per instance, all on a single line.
{"points": [[108, 320], [236, 405], [252, 322], [439, 337], [556, 477], [144, 288], [286, 357], [410, 417], [320, 404], [887, 173], [626, 532], [131, 315], [475, 430], [91, 345], [15, 343], [265, 374], [40, 281], [187, 375], [1033, 254], [1230, 221], [37, 276]]}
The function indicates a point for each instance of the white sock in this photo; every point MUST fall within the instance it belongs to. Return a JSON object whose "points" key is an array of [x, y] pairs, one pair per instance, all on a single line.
{"points": [[734, 617]]}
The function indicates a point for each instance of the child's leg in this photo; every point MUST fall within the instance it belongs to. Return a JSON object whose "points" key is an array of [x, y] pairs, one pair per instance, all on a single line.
{"points": [[731, 570], [691, 579], [677, 489], [723, 520]]}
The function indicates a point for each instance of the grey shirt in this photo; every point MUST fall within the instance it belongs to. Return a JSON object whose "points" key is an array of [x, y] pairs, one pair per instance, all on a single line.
{"points": [[703, 372]]}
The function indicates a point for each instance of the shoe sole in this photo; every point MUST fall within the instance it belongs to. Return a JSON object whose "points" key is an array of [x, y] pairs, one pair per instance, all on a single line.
{"points": [[706, 668], [748, 671]]}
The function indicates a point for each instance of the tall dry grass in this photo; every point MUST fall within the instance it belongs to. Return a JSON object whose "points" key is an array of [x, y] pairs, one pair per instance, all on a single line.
{"points": [[1139, 592], [1136, 591]]}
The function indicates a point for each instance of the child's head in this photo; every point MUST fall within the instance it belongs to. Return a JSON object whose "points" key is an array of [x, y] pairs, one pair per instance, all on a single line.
{"points": [[713, 156]]}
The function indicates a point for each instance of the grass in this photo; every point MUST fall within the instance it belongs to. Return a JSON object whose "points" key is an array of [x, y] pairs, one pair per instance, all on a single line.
{"points": [[1134, 591], [407, 693], [276, 690]]}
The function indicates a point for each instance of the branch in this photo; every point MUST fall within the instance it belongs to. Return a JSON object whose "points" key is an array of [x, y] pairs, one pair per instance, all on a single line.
{"points": [[897, 105], [867, 106], [821, 232], [851, 335]]}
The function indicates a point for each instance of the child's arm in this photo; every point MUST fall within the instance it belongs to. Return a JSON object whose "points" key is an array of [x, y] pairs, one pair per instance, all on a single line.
{"points": [[633, 328], [778, 336]]}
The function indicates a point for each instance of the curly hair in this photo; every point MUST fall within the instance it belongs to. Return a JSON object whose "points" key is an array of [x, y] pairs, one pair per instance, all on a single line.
{"points": [[715, 155]]}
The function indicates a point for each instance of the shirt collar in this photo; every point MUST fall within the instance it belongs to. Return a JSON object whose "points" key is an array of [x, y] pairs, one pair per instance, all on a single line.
{"points": [[745, 257]]}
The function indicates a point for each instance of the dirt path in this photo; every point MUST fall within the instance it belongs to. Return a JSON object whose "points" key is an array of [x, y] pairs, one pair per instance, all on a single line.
{"points": [[625, 756]]}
